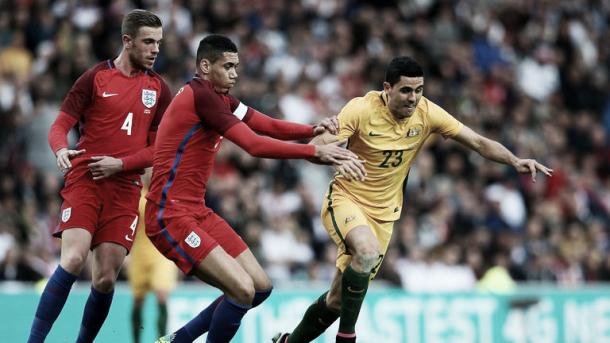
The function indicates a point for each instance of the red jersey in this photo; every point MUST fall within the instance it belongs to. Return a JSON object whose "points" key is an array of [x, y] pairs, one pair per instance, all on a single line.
{"points": [[190, 134], [189, 137], [115, 113]]}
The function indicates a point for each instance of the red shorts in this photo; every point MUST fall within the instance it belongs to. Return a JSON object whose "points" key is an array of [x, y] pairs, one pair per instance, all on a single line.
{"points": [[108, 209], [187, 236]]}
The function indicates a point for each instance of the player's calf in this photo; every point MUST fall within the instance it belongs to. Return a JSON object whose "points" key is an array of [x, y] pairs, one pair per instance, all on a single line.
{"points": [[354, 286]]}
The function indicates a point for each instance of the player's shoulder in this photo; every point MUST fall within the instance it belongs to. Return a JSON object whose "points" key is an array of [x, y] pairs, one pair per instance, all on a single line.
{"points": [[204, 92], [153, 74], [162, 84], [99, 67], [88, 78], [199, 85], [364, 105], [427, 106], [103, 65]]}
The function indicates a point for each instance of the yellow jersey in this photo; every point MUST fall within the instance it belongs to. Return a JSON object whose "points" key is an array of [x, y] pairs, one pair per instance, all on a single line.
{"points": [[388, 146], [142, 246]]}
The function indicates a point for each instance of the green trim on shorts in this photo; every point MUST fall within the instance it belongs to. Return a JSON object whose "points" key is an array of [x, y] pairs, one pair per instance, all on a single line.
{"points": [[332, 214]]}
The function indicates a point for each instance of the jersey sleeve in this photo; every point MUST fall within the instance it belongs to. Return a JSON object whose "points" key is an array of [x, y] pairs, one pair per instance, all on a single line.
{"points": [[164, 99], [266, 147], [239, 109], [442, 122], [280, 129], [80, 96], [263, 124], [213, 111], [59, 131], [349, 119]]}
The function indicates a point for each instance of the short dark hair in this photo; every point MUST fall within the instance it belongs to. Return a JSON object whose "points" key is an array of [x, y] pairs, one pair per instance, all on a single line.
{"points": [[402, 66], [136, 19], [213, 46]]}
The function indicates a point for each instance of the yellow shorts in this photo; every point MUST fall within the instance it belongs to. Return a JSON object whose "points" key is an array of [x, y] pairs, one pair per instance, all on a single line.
{"points": [[340, 215], [148, 271]]}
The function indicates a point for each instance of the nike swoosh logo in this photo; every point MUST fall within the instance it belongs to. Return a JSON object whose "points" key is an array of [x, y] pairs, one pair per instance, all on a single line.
{"points": [[357, 291], [129, 239], [105, 95], [373, 134]]}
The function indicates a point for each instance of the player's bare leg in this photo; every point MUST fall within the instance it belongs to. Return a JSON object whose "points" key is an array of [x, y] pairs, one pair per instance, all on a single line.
{"points": [[74, 249], [247, 260], [262, 283], [333, 297], [219, 268], [107, 261], [75, 245]]}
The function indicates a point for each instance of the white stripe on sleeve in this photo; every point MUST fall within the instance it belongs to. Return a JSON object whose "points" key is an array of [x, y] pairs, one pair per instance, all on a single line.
{"points": [[240, 111]]}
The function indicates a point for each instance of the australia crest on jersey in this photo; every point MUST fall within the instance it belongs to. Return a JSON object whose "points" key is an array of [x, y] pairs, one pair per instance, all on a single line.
{"points": [[414, 131], [149, 97]]}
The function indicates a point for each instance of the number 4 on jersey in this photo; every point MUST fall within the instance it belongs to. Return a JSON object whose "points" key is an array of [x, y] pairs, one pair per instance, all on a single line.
{"points": [[133, 227], [128, 123]]}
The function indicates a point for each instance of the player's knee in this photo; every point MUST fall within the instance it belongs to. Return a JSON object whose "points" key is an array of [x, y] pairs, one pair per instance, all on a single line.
{"points": [[265, 283], [104, 283], [73, 262], [242, 291], [365, 261]]}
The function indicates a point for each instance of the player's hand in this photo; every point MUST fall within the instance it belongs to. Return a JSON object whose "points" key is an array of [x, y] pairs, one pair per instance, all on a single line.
{"points": [[104, 166], [352, 169], [532, 166], [327, 125], [64, 155], [334, 153]]}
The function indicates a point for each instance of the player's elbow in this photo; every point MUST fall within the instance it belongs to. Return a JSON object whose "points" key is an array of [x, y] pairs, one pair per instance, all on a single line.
{"points": [[256, 150]]}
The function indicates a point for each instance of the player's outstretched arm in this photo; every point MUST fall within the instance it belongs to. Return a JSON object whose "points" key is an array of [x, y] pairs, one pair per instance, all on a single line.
{"points": [[260, 146], [286, 130], [495, 151], [351, 169]]}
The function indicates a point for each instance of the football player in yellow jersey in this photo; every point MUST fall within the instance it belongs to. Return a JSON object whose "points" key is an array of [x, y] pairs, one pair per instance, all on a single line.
{"points": [[386, 129], [148, 271]]}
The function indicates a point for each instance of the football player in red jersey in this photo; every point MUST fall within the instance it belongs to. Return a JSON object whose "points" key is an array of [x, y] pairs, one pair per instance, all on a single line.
{"points": [[177, 220], [117, 105]]}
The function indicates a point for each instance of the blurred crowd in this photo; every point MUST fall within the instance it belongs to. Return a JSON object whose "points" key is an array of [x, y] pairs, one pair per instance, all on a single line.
{"points": [[531, 74]]}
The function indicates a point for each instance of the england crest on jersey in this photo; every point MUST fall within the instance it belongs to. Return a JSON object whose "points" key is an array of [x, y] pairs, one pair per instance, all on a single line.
{"points": [[65, 214], [193, 240], [149, 97]]}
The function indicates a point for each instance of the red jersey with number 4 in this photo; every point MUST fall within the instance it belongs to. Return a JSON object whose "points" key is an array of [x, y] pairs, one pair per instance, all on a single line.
{"points": [[115, 113]]}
